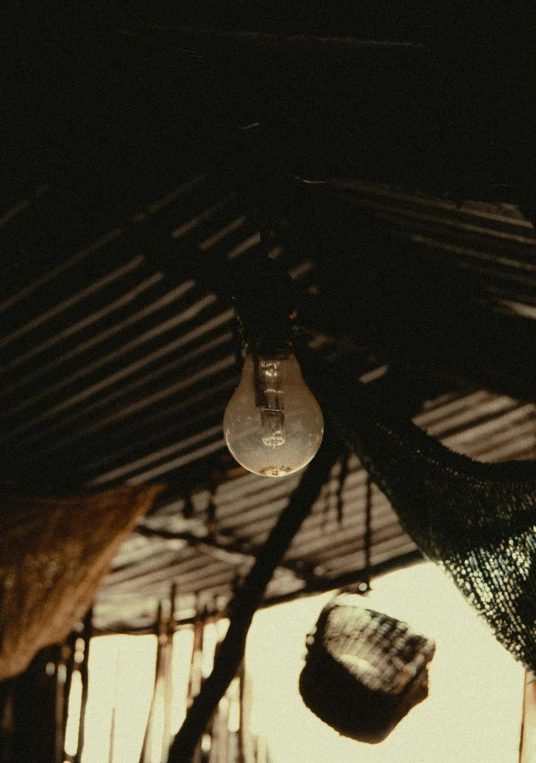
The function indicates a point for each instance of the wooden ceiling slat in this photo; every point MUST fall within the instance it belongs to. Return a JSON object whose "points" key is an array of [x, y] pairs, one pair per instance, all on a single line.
{"points": [[246, 505], [186, 316], [203, 216], [350, 530], [176, 463], [386, 548], [202, 391], [157, 455], [330, 557], [223, 234], [485, 215], [389, 557], [251, 242], [251, 488], [161, 556], [496, 239], [138, 549], [226, 362], [437, 411], [118, 325], [187, 574], [502, 423], [252, 531], [66, 304], [519, 446], [121, 453], [39, 273], [211, 352], [510, 270], [96, 316], [13, 211]]}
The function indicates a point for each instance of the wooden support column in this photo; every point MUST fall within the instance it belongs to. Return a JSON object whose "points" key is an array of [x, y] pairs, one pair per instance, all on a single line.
{"points": [[527, 749], [84, 675]]}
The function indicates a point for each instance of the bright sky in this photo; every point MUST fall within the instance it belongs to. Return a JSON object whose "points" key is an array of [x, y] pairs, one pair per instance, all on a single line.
{"points": [[472, 715]]}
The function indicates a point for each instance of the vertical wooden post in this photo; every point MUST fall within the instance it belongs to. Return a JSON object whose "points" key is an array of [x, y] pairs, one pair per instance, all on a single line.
{"points": [[84, 676], [163, 681], [35, 709], [60, 704], [527, 749], [114, 711], [148, 737], [68, 651], [246, 748], [168, 675]]}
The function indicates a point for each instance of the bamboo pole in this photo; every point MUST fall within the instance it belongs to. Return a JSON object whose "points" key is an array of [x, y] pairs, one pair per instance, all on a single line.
{"points": [[114, 710], [168, 675], [84, 676], [194, 684], [68, 652], [527, 742], [245, 739], [196, 669], [60, 711], [148, 736]]}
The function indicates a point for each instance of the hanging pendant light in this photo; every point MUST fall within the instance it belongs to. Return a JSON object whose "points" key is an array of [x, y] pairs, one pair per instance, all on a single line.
{"points": [[273, 425]]}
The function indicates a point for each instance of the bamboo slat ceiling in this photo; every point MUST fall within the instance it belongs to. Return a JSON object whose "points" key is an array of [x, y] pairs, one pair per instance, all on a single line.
{"points": [[134, 166], [116, 370]]}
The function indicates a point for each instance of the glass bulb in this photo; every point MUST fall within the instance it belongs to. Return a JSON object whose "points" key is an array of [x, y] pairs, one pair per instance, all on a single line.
{"points": [[273, 424]]}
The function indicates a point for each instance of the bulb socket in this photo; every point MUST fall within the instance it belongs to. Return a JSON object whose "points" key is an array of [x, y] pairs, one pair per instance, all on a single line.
{"points": [[265, 302], [275, 349]]}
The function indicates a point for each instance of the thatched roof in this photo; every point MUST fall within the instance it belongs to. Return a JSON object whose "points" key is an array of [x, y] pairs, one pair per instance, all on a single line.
{"points": [[130, 206]]}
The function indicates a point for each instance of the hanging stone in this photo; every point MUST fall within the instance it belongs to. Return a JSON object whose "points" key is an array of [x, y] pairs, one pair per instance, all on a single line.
{"points": [[364, 670]]}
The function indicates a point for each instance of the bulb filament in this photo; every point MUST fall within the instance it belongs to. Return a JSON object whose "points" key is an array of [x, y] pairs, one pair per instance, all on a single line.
{"points": [[269, 399]]}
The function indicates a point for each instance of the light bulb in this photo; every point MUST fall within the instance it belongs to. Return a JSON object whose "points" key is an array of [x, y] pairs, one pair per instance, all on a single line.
{"points": [[273, 424]]}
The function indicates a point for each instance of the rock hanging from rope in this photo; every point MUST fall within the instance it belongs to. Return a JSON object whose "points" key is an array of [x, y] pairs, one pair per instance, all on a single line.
{"points": [[364, 670], [54, 553], [477, 520]]}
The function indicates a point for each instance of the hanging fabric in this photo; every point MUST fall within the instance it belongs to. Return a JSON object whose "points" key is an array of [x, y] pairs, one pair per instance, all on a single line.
{"points": [[54, 553]]}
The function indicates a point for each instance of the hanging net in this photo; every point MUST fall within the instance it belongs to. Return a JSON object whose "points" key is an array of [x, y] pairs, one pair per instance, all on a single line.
{"points": [[54, 553], [477, 520], [364, 670]]}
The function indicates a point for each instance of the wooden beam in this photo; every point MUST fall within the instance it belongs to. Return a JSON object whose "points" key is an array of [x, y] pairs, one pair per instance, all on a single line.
{"points": [[248, 599], [208, 42], [227, 548]]}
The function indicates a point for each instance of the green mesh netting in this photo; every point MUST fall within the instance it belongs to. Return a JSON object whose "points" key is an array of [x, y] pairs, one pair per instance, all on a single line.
{"points": [[477, 520]]}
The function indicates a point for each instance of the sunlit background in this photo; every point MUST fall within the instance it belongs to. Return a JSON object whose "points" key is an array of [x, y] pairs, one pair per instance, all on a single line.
{"points": [[472, 715]]}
